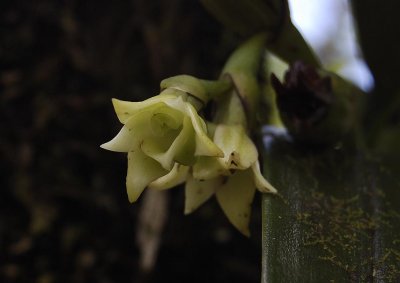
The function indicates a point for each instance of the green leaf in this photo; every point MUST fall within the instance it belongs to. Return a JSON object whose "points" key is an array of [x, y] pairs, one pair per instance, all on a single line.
{"points": [[337, 218]]}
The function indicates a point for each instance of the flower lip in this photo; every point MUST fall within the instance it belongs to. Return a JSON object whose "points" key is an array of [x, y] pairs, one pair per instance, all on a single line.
{"points": [[239, 151]]}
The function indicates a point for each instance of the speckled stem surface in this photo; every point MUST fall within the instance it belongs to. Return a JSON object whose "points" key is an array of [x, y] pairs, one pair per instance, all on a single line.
{"points": [[337, 218]]}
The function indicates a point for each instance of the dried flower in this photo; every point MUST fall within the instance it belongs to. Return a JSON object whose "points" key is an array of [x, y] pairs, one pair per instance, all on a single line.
{"points": [[316, 106]]}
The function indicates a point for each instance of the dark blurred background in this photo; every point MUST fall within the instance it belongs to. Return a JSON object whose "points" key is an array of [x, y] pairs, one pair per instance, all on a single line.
{"points": [[64, 212]]}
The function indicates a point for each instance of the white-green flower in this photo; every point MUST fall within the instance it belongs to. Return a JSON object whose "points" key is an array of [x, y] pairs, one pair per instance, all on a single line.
{"points": [[162, 135], [233, 178]]}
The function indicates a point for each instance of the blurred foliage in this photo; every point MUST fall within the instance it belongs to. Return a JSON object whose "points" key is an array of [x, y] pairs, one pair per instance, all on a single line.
{"points": [[64, 213], [379, 33]]}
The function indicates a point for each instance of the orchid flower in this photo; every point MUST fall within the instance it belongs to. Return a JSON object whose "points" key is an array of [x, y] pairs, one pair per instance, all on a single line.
{"points": [[233, 178], [162, 135]]}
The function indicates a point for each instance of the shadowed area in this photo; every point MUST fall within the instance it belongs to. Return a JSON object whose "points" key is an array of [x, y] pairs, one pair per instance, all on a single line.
{"points": [[64, 212]]}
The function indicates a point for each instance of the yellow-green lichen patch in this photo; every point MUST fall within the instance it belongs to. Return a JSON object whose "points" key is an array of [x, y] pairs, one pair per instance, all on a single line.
{"points": [[345, 235]]}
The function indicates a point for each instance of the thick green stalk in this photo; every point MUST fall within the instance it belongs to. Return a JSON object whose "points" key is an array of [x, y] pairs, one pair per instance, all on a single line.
{"points": [[336, 219], [242, 102], [230, 111]]}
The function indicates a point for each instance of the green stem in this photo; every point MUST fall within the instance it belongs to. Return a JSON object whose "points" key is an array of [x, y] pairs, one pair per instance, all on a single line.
{"points": [[241, 104], [230, 111]]}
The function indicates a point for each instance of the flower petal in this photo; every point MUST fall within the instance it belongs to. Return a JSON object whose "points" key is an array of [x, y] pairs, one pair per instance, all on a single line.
{"points": [[124, 141], [235, 198], [198, 192], [126, 109], [261, 183], [204, 145], [181, 149], [184, 144], [239, 151], [175, 177], [171, 137], [207, 167], [142, 170], [136, 129]]}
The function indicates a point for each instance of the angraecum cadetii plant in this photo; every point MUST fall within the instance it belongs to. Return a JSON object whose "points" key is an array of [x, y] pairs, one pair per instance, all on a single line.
{"points": [[328, 151]]}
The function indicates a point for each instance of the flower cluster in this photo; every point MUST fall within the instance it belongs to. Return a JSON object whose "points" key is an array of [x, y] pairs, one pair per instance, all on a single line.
{"points": [[168, 143]]}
